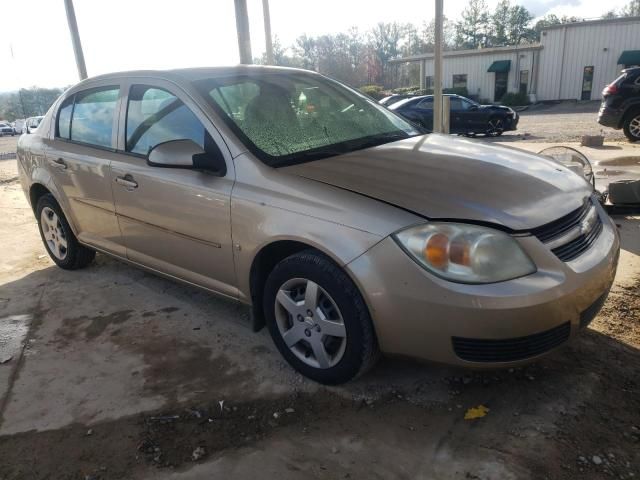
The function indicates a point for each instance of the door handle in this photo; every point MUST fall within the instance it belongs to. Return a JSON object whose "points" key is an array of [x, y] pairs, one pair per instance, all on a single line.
{"points": [[59, 163], [127, 181]]}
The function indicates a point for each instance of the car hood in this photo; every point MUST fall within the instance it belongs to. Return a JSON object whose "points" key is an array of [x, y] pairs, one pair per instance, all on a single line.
{"points": [[444, 177]]}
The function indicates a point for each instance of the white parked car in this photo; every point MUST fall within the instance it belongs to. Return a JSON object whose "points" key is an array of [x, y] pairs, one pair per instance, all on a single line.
{"points": [[19, 125], [32, 123]]}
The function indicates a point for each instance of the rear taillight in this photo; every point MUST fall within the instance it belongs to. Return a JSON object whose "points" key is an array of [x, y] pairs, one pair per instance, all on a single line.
{"points": [[611, 89]]}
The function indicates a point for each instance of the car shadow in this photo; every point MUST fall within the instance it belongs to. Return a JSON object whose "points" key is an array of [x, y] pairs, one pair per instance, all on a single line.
{"points": [[628, 224], [511, 137]]}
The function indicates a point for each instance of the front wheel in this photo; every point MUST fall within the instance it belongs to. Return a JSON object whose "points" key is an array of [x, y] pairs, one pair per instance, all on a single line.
{"points": [[58, 238], [318, 319], [632, 127], [495, 127]]}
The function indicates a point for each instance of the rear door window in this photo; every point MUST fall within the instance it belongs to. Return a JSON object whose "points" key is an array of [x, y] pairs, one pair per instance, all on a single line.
{"points": [[63, 127], [93, 116], [155, 116]]}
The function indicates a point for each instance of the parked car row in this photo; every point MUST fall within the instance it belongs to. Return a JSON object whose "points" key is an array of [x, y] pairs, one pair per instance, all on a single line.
{"points": [[18, 127]]}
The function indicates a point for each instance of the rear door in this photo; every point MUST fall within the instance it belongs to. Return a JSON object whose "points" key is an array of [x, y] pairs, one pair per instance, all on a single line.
{"points": [[174, 220], [79, 157], [423, 112]]}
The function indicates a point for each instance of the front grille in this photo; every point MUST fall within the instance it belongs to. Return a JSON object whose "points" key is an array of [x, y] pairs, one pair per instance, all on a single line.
{"points": [[511, 349], [577, 227], [556, 228], [576, 247]]}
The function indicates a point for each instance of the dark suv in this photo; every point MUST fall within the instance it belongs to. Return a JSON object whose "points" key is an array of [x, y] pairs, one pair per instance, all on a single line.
{"points": [[621, 104]]}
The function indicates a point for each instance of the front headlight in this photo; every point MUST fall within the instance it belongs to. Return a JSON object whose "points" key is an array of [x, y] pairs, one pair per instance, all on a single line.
{"points": [[465, 253]]}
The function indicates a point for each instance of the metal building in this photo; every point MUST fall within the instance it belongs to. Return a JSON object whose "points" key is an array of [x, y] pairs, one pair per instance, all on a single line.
{"points": [[572, 61]]}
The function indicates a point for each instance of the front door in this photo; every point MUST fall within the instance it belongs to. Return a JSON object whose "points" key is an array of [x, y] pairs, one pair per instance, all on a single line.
{"points": [[173, 220], [501, 85], [587, 83]]}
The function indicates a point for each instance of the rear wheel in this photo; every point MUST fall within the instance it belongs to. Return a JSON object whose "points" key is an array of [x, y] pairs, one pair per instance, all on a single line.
{"points": [[318, 319], [58, 238], [495, 127], [632, 126]]}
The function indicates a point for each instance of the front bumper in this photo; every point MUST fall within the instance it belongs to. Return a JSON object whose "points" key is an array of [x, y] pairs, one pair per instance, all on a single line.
{"points": [[419, 315], [512, 122]]}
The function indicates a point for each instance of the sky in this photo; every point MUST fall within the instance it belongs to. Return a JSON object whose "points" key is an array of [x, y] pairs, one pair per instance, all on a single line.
{"points": [[35, 48]]}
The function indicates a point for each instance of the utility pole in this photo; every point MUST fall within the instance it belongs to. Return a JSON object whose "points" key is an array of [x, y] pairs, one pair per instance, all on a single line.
{"points": [[75, 39], [437, 70], [242, 27], [267, 32]]}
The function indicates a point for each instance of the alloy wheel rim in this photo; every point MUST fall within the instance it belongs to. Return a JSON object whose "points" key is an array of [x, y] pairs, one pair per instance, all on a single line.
{"points": [[310, 323], [53, 233], [634, 127], [495, 127]]}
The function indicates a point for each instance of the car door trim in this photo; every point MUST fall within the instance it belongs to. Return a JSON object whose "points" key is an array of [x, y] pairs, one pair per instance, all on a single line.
{"points": [[157, 227]]}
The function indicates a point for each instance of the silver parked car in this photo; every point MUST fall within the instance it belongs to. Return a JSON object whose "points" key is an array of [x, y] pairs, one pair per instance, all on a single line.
{"points": [[6, 129], [348, 231]]}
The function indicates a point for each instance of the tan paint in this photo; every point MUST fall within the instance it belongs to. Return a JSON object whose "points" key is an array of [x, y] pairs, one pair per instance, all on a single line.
{"points": [[206, 230]]}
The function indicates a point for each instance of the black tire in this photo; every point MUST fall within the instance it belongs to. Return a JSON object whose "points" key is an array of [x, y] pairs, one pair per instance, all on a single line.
{"points": [[361, 351], [630, 118], [492, 131], [77, 255]]}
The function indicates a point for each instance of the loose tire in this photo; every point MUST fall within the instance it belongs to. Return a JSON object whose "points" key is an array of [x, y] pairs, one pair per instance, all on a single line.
{"points": [[632, 126], [58, 238], [318, 319]]}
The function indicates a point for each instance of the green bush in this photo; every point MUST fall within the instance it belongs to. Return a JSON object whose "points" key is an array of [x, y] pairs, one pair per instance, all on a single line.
{"points": [[374, 91], [406, 90], [514, 99]]}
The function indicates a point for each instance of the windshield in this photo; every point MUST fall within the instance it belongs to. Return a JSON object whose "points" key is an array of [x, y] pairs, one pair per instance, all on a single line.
{"points": [[292, 117]]}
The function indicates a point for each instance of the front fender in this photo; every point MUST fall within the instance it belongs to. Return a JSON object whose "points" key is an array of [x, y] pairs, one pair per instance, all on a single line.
{"points": [[256, 226]]}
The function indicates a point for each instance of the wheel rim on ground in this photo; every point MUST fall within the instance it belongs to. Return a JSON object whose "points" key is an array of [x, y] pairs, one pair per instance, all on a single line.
{"points": [[310, 323], [634, 126], [495, 127], [53, 233]]}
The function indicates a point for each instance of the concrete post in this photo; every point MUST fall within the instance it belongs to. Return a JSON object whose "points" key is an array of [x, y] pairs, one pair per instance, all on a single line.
{"points": [[267, 32], [437, 70], [75, 39], [446, 113], [242, 27]]}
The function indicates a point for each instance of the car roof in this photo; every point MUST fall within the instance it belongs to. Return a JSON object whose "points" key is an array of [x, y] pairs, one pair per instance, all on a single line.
{"points": [[194, 74], [405, 101]]}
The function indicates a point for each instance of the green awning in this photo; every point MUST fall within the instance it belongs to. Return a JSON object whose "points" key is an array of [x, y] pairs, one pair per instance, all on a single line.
{"points": [[500, 66], [629, 57]]}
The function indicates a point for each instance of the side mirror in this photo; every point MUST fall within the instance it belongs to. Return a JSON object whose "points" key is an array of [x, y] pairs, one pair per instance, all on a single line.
{"points": [[473, 107], [186, 154]]}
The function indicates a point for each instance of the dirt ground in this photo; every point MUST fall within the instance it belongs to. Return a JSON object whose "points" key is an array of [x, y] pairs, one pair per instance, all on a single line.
{"points": [[112, 373], [562, 122]]}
